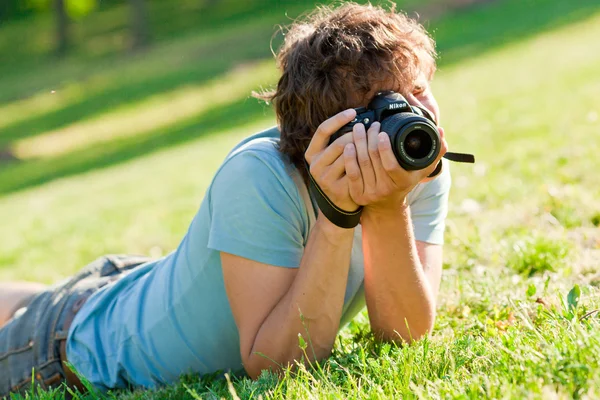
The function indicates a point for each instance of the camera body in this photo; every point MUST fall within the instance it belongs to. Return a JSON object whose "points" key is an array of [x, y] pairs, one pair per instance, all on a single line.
{"points": [[412, 130]]}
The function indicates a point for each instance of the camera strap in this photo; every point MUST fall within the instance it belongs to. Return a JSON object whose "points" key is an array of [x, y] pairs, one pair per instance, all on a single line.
{"points": [[456, 157], [339, 217], [460, 157]]}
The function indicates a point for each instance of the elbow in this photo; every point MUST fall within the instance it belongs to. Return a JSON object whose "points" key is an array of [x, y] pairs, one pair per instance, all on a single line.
{"points": [[424, 327], [420, 329], [253, 373], [255, 364], [254, 368], [407, 330]]}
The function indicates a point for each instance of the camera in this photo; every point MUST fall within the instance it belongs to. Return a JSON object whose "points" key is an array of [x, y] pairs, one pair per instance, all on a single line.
{"points": [[412, 130]]}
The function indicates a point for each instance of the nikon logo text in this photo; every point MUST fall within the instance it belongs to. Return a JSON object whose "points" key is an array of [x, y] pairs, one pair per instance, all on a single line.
{"points": [[395, 106]]}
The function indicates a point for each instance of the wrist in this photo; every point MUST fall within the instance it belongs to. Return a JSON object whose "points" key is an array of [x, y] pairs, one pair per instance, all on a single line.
{"points": [[392, 207], [331, 231]]}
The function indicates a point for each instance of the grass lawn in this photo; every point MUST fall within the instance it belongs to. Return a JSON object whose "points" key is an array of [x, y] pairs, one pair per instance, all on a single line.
{"points": [[117, 159]]}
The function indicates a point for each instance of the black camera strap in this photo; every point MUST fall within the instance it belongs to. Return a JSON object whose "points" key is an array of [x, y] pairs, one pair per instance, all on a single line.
{"points": [[456, 157], [341, 218], [460, 157]]}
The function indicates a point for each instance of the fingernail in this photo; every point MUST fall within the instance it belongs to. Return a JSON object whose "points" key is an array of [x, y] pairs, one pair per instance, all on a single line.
{"points": [[381, 136], [349, 112]]}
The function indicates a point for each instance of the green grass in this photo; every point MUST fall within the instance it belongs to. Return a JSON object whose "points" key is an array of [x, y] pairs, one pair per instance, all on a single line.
{"points": [[533, 255], [522, 260]]}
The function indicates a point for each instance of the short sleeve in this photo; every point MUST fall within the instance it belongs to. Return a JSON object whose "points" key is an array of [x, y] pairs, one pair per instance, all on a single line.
{"points": [[429, 208], [256, 211]]}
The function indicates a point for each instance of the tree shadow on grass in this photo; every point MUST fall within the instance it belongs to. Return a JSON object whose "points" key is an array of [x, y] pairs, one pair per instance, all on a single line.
{"points": [[26, 174]]}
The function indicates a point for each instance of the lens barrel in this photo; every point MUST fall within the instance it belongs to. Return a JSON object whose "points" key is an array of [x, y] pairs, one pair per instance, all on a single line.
{"points": [[415, 140]]}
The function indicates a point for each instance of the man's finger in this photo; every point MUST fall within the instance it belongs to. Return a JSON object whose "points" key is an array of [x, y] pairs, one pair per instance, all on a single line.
{"points": [[355, 181], [364, 160], [373, 145], [388, 159], [330, 126], [334, 150], [336, 170]]}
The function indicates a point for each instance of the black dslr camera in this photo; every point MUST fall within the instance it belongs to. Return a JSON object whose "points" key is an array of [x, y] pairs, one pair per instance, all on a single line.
{"points": [[412, 130]]}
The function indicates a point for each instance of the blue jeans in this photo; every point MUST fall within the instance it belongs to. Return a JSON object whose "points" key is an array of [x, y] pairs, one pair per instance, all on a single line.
{"points": [[29, 343]]}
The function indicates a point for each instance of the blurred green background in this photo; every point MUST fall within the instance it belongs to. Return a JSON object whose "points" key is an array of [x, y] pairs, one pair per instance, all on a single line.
{"points": [[115, 114]]}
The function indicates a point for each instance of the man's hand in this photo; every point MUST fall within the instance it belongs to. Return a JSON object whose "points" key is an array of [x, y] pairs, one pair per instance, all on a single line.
{"points": [[376, 179], [327, 165]]}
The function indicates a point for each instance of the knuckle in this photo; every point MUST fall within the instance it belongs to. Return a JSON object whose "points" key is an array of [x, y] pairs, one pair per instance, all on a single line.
{"points": [[320, 129], [314, 169], [374, 152], [324, 128], [392, 167], [353, 175], [339, 145], [371, 194], [324, 183], [364, 161]]}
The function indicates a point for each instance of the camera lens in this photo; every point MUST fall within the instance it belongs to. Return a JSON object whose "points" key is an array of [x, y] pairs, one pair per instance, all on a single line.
{"points": [[417, 144], [415, 140]]}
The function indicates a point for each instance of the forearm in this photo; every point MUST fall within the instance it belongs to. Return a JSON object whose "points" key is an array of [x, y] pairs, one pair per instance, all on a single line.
{"points": [[311, 307], [399, 296]]}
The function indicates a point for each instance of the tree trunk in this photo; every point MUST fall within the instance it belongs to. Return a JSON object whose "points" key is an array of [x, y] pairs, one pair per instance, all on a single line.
{"points": [[140, 33], [62, 27]]}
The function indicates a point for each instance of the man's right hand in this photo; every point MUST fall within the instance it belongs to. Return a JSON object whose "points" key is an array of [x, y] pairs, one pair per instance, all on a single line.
{"points": [[327, 161]]}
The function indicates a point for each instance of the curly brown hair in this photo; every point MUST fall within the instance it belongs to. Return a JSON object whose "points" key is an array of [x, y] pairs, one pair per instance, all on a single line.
{"points": [[335, 58]]}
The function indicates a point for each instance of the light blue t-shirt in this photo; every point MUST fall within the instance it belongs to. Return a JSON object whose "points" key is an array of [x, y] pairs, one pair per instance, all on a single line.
{"points": [[171, 316]]}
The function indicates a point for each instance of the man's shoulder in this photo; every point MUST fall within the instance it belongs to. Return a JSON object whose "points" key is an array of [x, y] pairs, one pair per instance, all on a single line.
{"points": [[266, 141], [257, 158]]}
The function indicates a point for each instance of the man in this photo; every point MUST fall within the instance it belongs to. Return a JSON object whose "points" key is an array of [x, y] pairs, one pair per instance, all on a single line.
{"points": [[260, 264]]}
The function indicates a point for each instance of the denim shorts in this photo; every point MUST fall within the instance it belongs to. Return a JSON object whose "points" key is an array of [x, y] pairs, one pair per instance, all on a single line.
{"points": [[29, 343]]}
